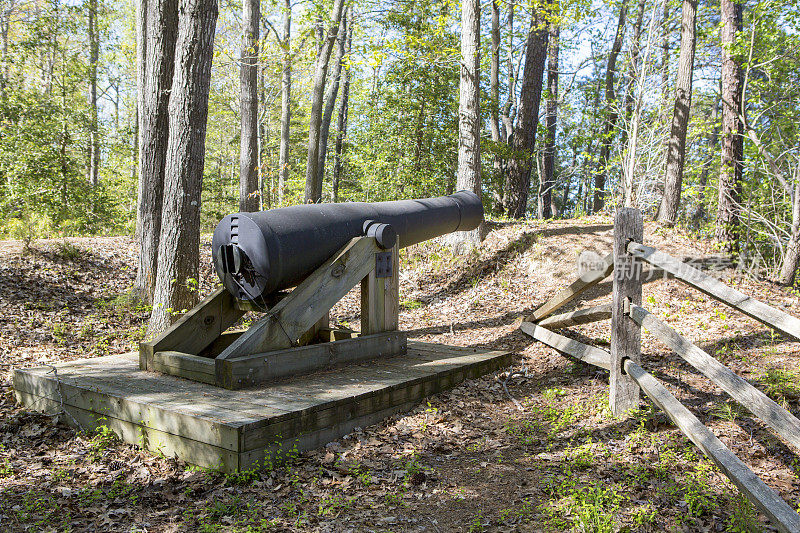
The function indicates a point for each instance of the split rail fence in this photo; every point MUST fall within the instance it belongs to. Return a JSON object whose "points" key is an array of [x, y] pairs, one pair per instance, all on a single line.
{"points": [[628, 378]]}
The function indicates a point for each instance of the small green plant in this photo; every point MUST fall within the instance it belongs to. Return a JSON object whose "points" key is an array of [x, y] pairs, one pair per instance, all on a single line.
{"points": [[68, 251], [743, 519], [697, 490], [103, 438], [643, 516], [28, 228], [781, 384], [476, 526], [6, 470], [411, 304]]}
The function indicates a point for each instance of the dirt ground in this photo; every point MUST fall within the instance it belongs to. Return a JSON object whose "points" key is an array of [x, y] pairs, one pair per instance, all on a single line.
{"points": [[468, 459]]}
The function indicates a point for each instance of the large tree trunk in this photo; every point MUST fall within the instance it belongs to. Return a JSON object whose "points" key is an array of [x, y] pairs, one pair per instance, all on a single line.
{"points": [[610, 113], [551, 123], [494, 86], [518, 174], [179, 245], [676, 149], [469, 117], [731, 161], [313, 185], [248, 85], [161, 29], [141, 54], [286, 100], [341, 130], [791, 260], [330, 100], [94, 133]]}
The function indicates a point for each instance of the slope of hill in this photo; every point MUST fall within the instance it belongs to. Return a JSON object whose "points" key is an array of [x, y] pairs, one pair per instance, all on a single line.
{"points": [[469, 459]]}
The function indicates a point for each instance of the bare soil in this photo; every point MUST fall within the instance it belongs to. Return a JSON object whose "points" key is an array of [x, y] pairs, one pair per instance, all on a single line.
{"points": [[466, 460]]}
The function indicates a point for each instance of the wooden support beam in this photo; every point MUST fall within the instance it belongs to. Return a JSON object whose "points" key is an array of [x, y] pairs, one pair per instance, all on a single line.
{"points": [[577, 318], [197, 329], [282, 326], [578, 350], [762, 496], [706, 284], [380, 296], [266, 367], [578, 287], [755, 401], [627, 289]]}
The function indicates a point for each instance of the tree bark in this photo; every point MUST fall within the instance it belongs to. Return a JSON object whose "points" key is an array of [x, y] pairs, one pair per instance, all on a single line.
{"points": [[506, 119], [610, 113], [551, 122], [341, 130], [494, 85], [94, 54], [161, 29], [179, 245], [676, 148], [732, 149], [248, 90], [141, 54], [469, 117], [286, 101], [313, 185], [518, 174], [330, 100], [791, 260]]}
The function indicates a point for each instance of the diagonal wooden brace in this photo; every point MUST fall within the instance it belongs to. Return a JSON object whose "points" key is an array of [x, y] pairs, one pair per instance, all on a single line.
{"points": [[283, 324]]}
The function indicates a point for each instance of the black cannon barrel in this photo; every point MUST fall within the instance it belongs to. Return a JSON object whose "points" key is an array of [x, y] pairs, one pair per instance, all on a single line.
{"points": [[259, 253]]}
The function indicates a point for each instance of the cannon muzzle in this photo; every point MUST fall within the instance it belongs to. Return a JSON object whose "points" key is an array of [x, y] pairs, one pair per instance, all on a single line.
{"points": [[259, 253]]}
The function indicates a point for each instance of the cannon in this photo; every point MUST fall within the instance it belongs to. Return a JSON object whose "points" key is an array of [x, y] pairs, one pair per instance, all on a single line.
{"points": [[256, 254], [320, 252]]}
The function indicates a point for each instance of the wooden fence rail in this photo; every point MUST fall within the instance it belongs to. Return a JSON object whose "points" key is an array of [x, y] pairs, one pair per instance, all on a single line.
{"points": [[706, 284], [626, 375], [755, 401]]}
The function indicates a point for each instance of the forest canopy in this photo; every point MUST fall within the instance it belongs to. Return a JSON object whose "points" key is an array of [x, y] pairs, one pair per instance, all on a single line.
{"points": [[603, 135]]}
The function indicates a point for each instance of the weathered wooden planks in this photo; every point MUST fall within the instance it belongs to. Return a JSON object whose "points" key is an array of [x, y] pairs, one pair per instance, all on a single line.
{"points": [[578, 350], [380, 298], [627, 290], [283, 325], [197, 329], [758, 403], [762, 496], [706, 284], [254, 369], [578, 287], [577, 318], [234, 430]]}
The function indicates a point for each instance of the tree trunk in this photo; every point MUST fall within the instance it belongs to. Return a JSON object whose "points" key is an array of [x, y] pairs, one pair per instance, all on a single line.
{"points": [[676, 149], [161, 29], [469, 117], [179, 245], [633, 67], [248, 85], [551, 121], [791, 260], [141, 54], [330, 100], [494, 85], [341, 130], [313, 185], [610, 113], [286, 101], [732, 152], [518, 174], [94, 54]]}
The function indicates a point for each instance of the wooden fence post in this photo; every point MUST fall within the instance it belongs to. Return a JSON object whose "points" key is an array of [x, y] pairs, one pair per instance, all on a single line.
{"points": [[627, 290]]}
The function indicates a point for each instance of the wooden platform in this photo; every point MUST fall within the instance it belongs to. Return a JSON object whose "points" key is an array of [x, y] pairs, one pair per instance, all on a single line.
{"points": [[240, 430]]}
